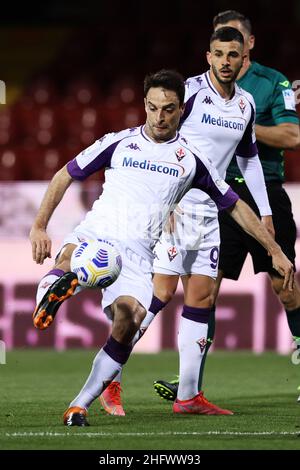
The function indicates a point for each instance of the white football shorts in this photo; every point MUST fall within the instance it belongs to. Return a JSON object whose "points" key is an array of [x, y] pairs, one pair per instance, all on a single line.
{"points": [[173, 258]]}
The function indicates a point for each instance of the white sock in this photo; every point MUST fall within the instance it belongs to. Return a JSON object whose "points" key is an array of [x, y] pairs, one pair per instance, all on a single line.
{"points": [[104, 370], [144, 325], [118, 377], [191, 335], [44, 285], [47, 281]]}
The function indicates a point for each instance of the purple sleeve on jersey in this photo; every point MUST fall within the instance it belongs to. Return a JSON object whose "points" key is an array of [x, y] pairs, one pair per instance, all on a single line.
{"points": [[247, 148], [188, 108], [102, 160], [203, 180], [227, 200]]}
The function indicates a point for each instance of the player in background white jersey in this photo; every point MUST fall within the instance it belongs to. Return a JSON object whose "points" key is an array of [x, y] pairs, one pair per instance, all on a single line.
{"points": [[156, 167], [219, 119], [277, 128]]}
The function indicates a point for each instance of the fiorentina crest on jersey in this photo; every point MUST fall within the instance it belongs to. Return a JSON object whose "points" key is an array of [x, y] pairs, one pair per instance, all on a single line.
{"points": [[172, 252], [180, 154], [202, 343], [242, 105]]}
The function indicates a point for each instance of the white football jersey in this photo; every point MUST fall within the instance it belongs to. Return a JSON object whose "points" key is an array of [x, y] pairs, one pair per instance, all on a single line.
{"points": [[217, 127], [143, 180]]}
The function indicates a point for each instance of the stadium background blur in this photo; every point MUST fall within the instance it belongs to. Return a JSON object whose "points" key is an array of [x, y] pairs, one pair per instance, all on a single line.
{"points": [[73, 72]]}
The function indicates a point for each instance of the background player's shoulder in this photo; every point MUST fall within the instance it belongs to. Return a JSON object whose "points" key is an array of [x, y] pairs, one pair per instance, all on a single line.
{"points": [[271, 74], [113, 137], [194, 84], [190, 146]]}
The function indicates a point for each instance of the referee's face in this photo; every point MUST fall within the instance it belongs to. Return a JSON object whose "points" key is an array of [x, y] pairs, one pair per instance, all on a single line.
{"points": [[226, 60], [163, 112]]}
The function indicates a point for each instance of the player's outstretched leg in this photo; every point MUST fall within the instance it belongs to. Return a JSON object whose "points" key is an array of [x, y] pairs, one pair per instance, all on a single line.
{"points": [[58, 292], [127, 315]]}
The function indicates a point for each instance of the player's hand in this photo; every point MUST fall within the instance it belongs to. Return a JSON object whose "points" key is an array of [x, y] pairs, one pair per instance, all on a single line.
{"points": [[41, 245], [267, 221], [283, 265]]}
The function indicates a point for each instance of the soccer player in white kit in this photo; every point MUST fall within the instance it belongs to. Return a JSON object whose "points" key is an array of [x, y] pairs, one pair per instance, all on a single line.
{"points": [[219, 119], [149, 169]]}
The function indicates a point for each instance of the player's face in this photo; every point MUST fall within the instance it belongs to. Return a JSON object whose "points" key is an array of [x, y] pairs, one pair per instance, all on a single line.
{"points": [[163, 114], [226, 60]]}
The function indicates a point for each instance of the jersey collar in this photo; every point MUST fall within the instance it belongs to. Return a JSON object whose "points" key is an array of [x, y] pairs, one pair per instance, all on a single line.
{"points": [[143, 133], [209, 83]]}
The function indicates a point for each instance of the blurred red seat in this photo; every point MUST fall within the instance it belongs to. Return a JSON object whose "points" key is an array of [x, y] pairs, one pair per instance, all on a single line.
{"points": [[41, 91], [83, 91], [39, 122], [81, 124], [127, 91], [70, 150], [41, 162], [117, 116], [11, 167], [9, 129]]}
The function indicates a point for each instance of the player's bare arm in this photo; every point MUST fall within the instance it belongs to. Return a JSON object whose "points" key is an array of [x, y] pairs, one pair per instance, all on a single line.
{"points": [[283, 136], [248, 220], [40, 242], [267, 220]]}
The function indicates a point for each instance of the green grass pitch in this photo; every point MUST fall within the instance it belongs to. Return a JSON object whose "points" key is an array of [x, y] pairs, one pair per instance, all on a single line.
{"points": [[37, 385]]}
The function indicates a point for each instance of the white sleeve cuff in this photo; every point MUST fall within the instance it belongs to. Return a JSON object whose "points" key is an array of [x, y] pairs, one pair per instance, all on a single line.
{"points": [[252, 172]]}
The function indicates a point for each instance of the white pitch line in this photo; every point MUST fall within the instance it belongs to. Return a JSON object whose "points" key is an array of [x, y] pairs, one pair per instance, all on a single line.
{"points": [[143, 434]]}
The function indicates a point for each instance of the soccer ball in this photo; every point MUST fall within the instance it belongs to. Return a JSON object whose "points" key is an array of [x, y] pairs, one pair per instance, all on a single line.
{"points": [[97, 263]]}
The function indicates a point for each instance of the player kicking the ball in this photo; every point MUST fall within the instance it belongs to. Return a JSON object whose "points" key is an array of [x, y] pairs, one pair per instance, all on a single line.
{"points": [[148, 169]]}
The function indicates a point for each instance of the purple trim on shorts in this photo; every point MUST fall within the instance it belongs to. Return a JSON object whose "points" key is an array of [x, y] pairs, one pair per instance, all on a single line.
{"points": [[199, 315], [57, 272], [102, 160], [156, 305], [117, 351]]}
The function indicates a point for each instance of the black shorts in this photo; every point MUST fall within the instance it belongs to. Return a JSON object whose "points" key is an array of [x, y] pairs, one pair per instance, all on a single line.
{"points": [[236, 244]]}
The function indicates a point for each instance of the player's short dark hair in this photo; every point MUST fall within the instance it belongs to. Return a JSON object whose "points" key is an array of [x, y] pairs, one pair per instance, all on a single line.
{"points": [[226, 34], [168, 79], [232, 15]]}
